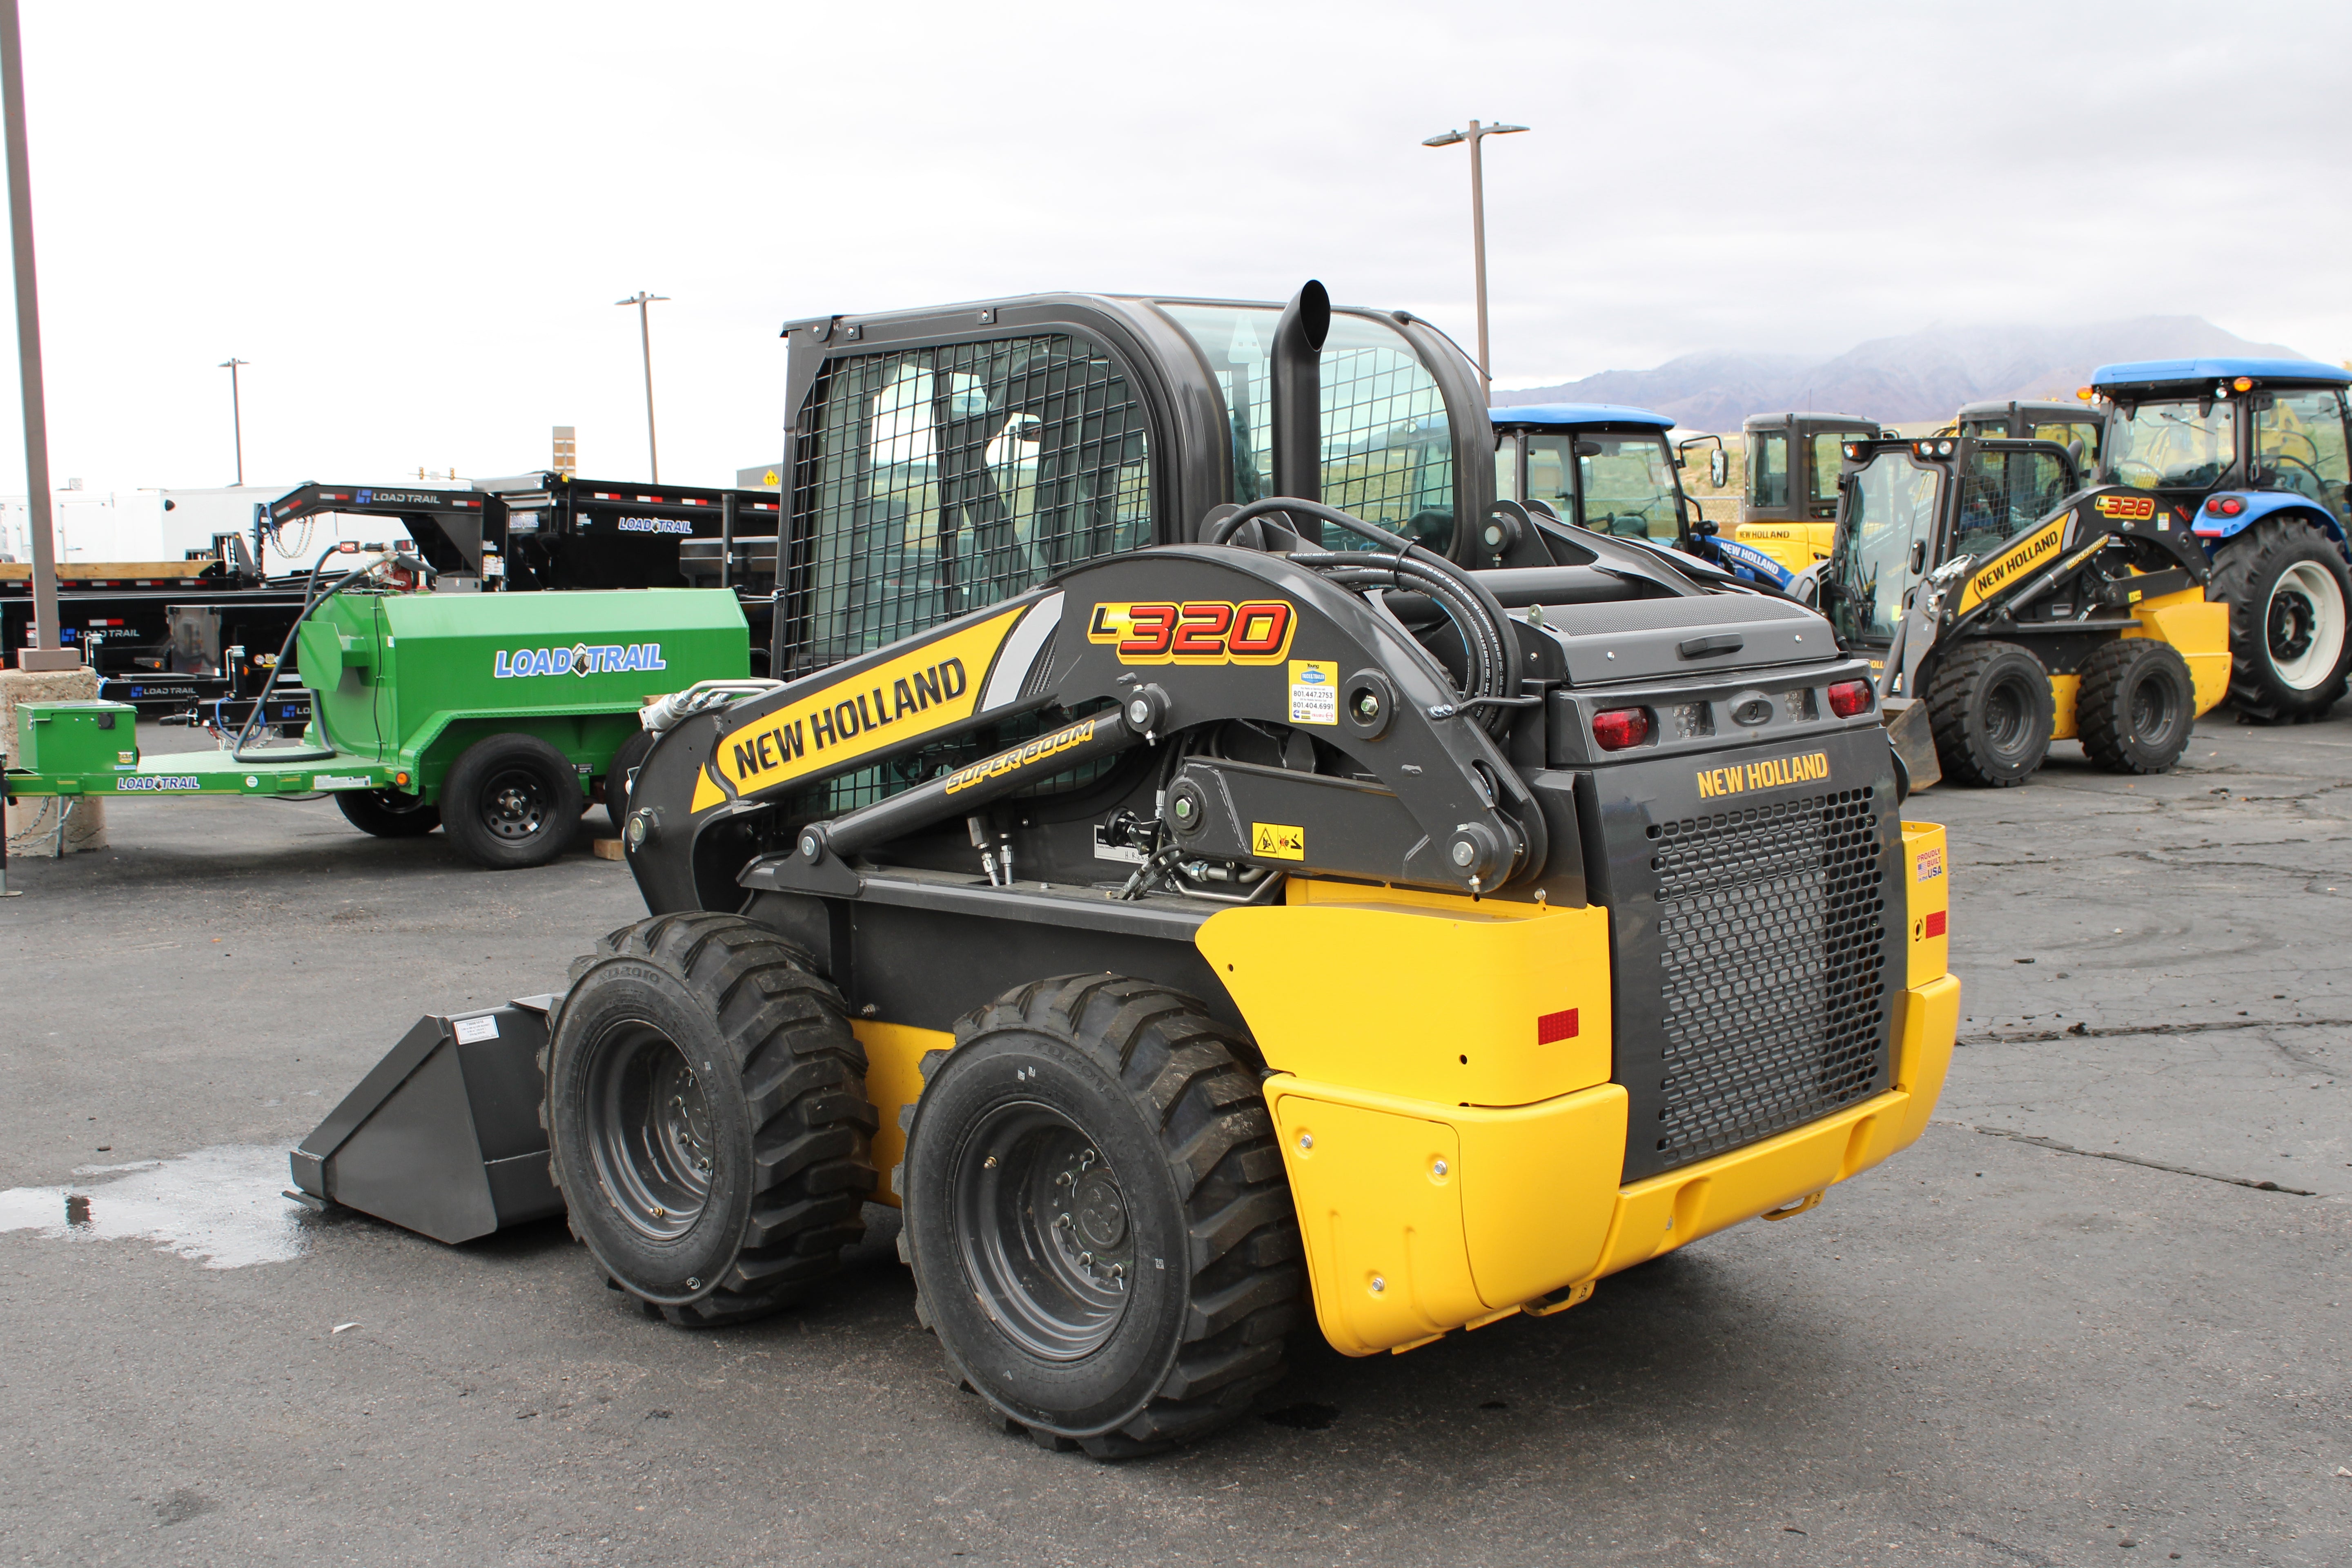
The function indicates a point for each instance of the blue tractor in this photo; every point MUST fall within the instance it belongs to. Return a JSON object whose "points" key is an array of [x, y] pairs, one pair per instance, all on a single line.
{"points": [[1609, 468], [2250, 456]]}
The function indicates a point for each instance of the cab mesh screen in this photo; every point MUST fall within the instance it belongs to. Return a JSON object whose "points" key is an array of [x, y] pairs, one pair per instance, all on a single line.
{"points": [[1772, 969], [936, 481]]}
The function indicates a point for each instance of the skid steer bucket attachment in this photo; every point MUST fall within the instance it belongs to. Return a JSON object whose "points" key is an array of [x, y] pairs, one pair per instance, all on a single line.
{"points": [[443, 1136]]}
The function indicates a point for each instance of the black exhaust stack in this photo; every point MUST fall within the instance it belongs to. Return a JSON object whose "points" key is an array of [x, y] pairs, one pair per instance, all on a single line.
{"points": [[1298, 393]]}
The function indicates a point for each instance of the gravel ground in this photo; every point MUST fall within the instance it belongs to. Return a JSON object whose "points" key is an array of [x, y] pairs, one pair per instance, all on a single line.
{"points": [[2098, 1314]]}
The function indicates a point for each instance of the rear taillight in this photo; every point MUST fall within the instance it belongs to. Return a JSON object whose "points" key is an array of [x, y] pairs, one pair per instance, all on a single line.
{"points": [[1621, 727], [2225, 506], [1848, 698]]}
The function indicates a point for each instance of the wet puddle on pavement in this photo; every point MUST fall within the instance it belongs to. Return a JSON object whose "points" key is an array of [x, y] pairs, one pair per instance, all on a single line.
{"points": [[222, 1208]]}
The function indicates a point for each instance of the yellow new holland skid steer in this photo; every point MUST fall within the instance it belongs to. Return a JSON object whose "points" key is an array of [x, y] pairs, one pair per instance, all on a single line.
{"points": [[1199, 905]]}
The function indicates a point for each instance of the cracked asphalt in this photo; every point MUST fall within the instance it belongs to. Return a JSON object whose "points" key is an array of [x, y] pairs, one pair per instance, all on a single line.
{"points": [[2092, 1317]]}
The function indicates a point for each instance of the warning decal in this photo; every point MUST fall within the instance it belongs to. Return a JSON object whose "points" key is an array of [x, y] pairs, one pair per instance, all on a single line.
{"points": [[1277, 841]]}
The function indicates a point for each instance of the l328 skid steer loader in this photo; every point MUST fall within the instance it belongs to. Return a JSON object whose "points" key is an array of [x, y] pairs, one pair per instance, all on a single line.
{"points": [[1197, 909]]}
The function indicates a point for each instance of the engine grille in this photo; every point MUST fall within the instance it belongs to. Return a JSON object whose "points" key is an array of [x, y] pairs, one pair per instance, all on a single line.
{"points": [[1773, 969]]}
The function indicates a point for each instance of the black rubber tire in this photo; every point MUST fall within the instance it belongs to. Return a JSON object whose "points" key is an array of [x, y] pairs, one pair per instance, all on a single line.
{"points": [[629, 755], [388, 813], [2246, 576], [1149, 1081], [784, 1123], [1990, 708], [2136, 705], [512, 801]]}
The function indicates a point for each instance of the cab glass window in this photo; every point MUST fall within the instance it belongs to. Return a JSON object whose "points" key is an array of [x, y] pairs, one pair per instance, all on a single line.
{"points": [[1388, 447], [2186, 443], [1551, 473], [1884, 549], [1821, 489], [1626, 485], [2299, 442], [1768, 468], [2086, 431], [935, 481], [1507, 467], [2002, 494]]}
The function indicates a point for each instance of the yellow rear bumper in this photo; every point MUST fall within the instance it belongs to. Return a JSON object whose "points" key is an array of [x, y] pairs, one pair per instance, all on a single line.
{"points": [[1420, 1218]]}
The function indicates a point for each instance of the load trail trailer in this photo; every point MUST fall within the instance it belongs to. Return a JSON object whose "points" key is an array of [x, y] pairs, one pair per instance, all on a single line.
{"points": [[2002, 606], [1222, 865], [2249, 456], [496, 716]]}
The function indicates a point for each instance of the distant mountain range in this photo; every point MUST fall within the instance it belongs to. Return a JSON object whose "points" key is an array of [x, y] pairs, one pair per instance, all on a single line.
{"points": [[1922, 375]]}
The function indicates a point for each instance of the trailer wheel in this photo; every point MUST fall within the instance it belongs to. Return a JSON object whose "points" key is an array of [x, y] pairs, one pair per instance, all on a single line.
{"points": [[1101, 1232], [2287, 590], [2136, 705], [511, 801], [707, 1116], [628, 757], [1990, 708], [388, 813]]}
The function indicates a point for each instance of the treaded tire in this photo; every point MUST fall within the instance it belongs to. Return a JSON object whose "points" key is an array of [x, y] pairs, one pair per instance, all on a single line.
{"points": [[782, 1120], [387, 813], [2246, 576], [2136, 705], [1989, 706], [1157, 1090], [629, 755], [511, 801]]}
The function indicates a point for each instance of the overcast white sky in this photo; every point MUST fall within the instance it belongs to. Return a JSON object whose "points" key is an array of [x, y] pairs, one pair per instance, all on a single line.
{"points": [[413, 219]]}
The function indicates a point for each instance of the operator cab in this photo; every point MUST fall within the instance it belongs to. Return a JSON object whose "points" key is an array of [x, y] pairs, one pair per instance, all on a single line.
{"points": [[1898, 522], [1599, 466], [2064, 423], [1789, 507], [2271, 430]]}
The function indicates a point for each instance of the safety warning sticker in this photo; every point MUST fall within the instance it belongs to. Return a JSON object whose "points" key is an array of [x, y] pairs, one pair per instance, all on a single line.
{"points": [[1314, 691], [1275, 841], [471, 1030]]}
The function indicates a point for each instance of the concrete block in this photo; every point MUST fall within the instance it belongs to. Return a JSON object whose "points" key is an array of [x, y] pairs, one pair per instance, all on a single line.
{"points": [[32, 823]]}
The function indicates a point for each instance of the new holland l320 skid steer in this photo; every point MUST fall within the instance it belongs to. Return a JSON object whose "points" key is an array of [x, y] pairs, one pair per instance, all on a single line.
{"points": [[1195, 905]]}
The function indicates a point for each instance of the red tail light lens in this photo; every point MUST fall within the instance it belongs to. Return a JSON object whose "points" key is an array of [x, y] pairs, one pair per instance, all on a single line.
{"points": [[1621, 727], [2227, 506], [1848, 698]]}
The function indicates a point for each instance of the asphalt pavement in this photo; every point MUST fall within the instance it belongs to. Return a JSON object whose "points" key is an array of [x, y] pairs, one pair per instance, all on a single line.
{"points": [[2098, 1314]]}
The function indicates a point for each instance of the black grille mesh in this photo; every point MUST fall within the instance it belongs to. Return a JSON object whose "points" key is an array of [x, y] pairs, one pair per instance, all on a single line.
{"points": [[1772, 969]]}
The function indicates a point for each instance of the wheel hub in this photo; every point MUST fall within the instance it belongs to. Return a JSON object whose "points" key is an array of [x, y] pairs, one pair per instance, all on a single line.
{"points": [[513, 807], [1042, 1224], [650, 1131]]}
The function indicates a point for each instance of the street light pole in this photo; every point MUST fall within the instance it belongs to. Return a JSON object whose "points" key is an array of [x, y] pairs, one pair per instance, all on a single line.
{"points": [[236, 411], [1474, 135], [45, 652], [645, 337]]}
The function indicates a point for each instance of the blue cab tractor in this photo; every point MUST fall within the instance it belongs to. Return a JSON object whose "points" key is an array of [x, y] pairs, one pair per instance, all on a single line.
{"points": [[1611, 469], [2250, 456]]}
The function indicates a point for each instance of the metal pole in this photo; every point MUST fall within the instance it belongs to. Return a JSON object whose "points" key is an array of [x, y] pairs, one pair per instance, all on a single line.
{"points": [[45, 652], [642, 299], [236, 412], [1478, 249]]}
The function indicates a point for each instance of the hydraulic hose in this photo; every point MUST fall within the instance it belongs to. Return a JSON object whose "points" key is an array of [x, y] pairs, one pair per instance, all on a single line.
{"points": [[311, 599]]}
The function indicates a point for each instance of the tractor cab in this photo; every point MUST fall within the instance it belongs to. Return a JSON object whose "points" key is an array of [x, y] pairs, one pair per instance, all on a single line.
{"points": [[2067, 424], [1598, 466], [1790, 509], [2251, 455]]}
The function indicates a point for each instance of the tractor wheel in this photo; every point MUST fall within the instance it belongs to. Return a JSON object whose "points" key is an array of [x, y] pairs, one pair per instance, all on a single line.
{"points": [[1990, 708], [1101, 1232], [2136, 705], [511, 801], [2287, 590], [707, 1116], [628, 758], [388, 813]]}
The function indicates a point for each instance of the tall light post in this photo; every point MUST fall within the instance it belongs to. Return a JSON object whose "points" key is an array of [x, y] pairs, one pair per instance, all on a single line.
{"points": [[45, 652], [645, 337], [1475, 134], [236, 411]]}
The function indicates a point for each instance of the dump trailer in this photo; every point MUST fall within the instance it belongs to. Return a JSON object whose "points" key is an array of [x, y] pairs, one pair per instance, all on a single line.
{"points": [[1199, 913], [496, 716], [2002, 606], [2248, 455], [1788, 510]]}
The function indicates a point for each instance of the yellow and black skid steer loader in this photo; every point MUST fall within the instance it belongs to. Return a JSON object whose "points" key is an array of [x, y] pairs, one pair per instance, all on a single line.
{"points": [[1202, 910], [2001, 608]]}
